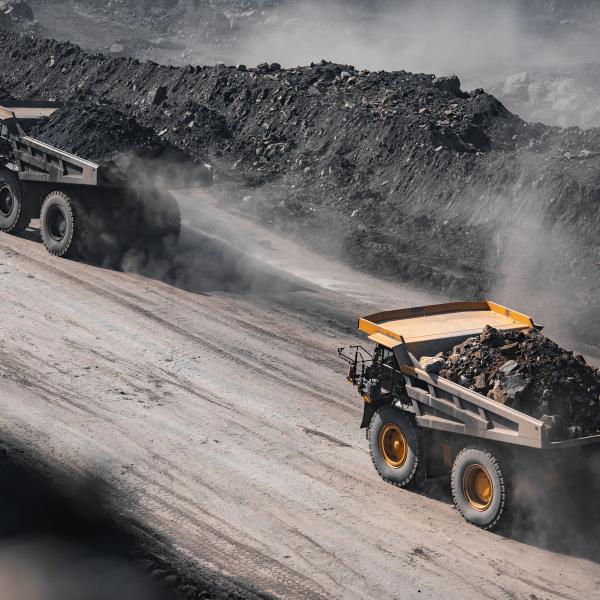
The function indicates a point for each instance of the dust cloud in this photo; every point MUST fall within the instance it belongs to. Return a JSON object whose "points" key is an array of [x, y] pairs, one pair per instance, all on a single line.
{"points": [[553, 502], [199, 259], [482, 40], [201, 263], [542, 265], [537, 268]]}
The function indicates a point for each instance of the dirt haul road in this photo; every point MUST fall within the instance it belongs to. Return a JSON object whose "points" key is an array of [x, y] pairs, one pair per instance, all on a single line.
{"points": [[215, 408]]}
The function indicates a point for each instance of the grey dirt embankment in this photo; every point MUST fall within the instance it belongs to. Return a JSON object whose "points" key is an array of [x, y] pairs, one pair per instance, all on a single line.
{"points": [[408, 176]]}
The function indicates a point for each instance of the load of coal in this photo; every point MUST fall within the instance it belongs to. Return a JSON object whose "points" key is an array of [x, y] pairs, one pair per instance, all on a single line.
{"points": [[96, 130], [530, 373]]}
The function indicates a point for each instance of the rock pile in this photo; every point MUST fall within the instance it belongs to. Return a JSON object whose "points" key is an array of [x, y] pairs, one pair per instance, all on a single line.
{"points": [[529, 372], [174, 32]]}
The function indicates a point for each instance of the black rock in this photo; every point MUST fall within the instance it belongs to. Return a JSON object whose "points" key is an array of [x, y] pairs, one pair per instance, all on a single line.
{"points": [[157, 95], [451, 84]]}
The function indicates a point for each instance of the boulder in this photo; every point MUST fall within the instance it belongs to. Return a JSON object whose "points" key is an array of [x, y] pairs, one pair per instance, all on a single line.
{"points": [[432, 364], [491, 336], [449, 83]]}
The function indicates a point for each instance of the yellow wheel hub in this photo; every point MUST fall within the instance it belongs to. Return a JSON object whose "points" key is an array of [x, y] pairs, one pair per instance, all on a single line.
{"points": [[477, 487], [393, 445]]}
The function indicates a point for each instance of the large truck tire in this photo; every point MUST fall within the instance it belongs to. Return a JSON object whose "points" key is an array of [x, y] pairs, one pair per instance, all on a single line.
{"points": [[394, 445], [13, 212], [478, 487], [60, 224]]}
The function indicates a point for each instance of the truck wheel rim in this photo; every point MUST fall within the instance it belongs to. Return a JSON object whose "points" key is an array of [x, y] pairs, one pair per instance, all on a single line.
{"points": [[478, 487], [57, 223], [6, 202], [393, 445]]}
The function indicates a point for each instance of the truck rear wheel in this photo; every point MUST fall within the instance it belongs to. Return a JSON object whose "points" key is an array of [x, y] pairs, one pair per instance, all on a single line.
{"points": [[394, 445], [13, 213], [60, 224], [478, 487]]}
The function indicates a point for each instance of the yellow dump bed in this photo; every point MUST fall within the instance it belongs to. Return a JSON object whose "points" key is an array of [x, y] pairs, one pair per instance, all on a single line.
{"points": [[438, 322]]}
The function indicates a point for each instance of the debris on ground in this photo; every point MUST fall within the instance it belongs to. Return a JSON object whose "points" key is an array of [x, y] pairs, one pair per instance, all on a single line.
{"points": [[530, 373]]}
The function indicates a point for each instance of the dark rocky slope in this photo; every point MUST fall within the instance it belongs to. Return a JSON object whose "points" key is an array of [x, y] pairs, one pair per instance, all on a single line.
{"points": [[399, 173]]}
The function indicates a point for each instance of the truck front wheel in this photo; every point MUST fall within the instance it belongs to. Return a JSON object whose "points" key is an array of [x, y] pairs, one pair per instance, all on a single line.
{"points": [[478, 487], [13, 213], [394, 445], [59, 224]]}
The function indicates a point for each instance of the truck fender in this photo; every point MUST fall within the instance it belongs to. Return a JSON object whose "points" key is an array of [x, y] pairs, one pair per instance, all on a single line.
{"points": [[370, 408], [368, 412]]}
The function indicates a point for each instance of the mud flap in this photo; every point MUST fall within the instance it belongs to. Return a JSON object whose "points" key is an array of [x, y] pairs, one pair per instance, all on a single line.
{"points": [[368, 412]]}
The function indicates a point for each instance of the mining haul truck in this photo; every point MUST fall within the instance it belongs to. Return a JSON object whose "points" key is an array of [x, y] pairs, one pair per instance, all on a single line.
{"points": [[421, 425], [83, 207]]}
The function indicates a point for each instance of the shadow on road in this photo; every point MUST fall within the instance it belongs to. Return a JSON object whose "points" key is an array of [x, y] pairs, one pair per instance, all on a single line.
{"points": [[564, 519], [196, 263]]}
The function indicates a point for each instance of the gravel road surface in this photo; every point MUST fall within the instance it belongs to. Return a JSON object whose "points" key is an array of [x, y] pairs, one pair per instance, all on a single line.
{"points": [[204, 387]]}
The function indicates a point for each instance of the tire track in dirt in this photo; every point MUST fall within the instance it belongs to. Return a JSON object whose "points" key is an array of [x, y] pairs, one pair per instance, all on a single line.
{"points": [[251, 562], [277, 375]]}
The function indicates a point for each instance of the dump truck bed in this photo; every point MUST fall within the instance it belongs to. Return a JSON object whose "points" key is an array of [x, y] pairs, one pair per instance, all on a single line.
{"points": [[442, 404], [37, 161]]}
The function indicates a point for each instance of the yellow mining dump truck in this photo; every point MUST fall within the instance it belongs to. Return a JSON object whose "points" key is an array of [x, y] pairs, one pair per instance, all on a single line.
{"points": [[421, 425]]}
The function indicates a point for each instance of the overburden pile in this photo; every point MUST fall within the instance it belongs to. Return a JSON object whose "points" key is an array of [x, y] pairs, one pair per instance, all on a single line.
{"points": [[401, 174], [529, 372]]}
